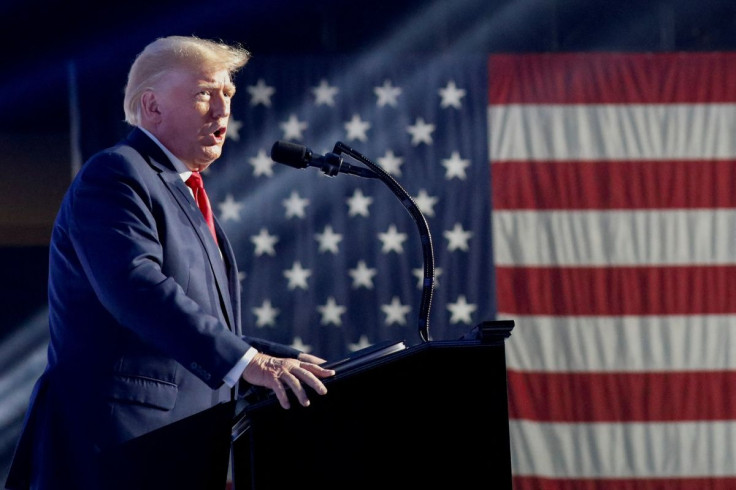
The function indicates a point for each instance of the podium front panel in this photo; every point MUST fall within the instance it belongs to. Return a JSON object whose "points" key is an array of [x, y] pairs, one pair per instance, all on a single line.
{"points": [[433, 415]]}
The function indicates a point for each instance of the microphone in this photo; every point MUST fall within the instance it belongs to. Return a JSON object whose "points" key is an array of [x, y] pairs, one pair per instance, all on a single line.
{"points": [[301, 156]]}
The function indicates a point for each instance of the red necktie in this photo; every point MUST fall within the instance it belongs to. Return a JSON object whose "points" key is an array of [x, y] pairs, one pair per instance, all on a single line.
{"points": [[197, 186]]}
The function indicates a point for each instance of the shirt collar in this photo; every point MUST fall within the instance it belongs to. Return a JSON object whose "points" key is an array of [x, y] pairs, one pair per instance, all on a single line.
{"points": [[181, 169]]}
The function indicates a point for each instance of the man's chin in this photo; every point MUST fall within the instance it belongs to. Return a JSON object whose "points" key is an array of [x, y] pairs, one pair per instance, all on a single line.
{"points": [[210, 155]]}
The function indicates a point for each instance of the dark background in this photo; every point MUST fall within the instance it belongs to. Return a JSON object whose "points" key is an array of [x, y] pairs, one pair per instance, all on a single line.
{"points": [[41, 39]]}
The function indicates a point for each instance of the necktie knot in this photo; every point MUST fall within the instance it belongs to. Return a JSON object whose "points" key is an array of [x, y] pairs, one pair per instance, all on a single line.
{"points": [[203, 203], [195, 181]]}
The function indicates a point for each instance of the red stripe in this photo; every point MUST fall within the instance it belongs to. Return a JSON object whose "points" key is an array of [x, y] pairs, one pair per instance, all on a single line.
{"points": [[650, 290], [614, 184], [612, 78], [537, 483], [622, 397]]}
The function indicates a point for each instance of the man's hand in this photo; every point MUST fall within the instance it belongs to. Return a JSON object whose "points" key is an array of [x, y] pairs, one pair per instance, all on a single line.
{"points": [[279, 373]]}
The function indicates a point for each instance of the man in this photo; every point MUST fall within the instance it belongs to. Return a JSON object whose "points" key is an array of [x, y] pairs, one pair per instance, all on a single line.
{"points": [[143, 296]]}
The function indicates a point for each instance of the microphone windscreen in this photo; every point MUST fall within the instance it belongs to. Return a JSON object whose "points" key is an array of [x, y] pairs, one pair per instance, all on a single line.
{"points": [[292, 154]]}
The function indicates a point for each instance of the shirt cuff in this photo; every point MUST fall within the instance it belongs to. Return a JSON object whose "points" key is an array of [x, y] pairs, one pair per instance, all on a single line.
{"points": [[233, 376]]}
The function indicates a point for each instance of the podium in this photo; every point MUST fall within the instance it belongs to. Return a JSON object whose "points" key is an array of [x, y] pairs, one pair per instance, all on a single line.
{"points": [[433, 415]]}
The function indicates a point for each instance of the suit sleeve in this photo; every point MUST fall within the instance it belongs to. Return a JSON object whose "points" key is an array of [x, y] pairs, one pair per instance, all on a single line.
{"points": [[272, 348]]}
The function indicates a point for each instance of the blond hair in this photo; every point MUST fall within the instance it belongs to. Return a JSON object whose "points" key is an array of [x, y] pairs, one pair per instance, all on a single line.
{"points": [[167, 53]]}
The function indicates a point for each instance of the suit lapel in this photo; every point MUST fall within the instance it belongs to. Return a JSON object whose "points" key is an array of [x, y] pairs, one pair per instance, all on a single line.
{"points": [[157, 158], [182, 195], [232, 275]]}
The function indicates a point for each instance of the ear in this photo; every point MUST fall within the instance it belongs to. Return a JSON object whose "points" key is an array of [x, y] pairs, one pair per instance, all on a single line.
{"points": [[150, 108]]}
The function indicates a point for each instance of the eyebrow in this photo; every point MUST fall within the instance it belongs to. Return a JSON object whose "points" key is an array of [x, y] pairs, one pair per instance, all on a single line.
{"points": [[228, 87]]}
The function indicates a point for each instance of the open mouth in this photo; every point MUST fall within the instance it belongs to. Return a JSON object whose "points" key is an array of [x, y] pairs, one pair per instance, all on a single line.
{"points": [[219, 133]]}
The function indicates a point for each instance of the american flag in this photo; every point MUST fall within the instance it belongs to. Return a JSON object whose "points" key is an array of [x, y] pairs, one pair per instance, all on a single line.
{"points": [[613, 233], [333, 264], [611, 180]]}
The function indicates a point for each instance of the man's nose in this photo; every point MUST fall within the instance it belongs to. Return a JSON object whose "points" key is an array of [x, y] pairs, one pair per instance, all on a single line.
{"points": [[220, 106]]}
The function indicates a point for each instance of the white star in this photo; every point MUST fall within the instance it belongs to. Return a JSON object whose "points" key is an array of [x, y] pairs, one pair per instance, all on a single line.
{"points": [[395, 312], [299, 345], [387, 94], [295, 205], [391, 163], [362, 275], [262, 164], [461, 310], [293, 128], [266, 314], [392, 240], [358, 204], [451, 95], [363, 342], [455, 166], [357, 128], [328, 240], [297, 276], [260, 93], [264, 243], [241, 276], [421, 132], [425, 203], [419, 274], [233, 129], [230, 209], [457, 238], [331, 312], [325, 93]]}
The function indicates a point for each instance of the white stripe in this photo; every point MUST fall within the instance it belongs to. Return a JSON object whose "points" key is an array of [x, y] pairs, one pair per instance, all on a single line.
{"points": [[632, 450], [611, 131], [629, 237], [622, 344]]}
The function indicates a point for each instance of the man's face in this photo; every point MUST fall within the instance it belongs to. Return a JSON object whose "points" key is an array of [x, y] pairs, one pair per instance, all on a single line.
{"points": [[194, 108]]}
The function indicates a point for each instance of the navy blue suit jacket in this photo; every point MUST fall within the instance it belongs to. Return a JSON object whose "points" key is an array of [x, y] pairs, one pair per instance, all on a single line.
{"points": [[144, 317]]}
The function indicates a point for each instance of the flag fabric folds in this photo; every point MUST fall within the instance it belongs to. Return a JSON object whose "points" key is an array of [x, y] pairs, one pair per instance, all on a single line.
{"points": [[613, 228]]}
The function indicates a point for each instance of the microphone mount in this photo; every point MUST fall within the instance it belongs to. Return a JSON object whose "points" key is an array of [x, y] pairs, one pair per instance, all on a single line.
{"points": [[300, 156]]}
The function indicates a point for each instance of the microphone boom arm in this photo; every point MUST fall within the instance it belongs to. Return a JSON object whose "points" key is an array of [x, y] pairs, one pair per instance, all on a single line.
{"points": [[374, 171], [331, 164]]}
